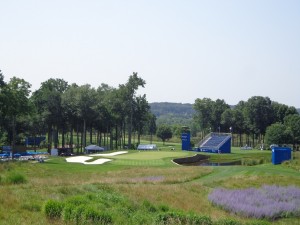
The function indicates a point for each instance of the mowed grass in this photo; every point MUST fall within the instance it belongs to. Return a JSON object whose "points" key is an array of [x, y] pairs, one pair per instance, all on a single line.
{"points": [[148, 158], [138, 176]]}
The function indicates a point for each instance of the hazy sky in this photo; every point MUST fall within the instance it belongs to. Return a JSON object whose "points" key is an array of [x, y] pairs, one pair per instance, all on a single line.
{"points": [[183, 49]]}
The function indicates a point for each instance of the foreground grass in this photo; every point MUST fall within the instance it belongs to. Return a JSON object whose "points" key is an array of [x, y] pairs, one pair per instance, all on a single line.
{"points": [[158, 186]]}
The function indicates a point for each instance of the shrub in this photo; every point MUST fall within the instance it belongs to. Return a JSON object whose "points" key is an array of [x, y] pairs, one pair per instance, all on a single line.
{"points": [[200, 220], [149, 207], [180, 218], [53, 209], [93, 216], [67, 214], [163, 208], [15, 178], [227, 221], [78, 200]]}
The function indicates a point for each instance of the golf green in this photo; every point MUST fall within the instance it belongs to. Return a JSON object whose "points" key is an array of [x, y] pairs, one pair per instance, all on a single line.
{"points": [[150, 155]]}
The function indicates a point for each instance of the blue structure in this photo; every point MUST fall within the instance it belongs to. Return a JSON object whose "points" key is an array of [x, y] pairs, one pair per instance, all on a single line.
{"points": [[34, 140], [186, 139], [280, 154], [215, 143]]}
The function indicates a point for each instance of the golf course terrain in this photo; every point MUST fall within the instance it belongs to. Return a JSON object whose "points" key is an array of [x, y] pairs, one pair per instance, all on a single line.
{"points": [[141, 187]]}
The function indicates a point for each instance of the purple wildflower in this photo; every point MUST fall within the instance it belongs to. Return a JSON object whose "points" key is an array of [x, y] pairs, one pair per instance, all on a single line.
{"points": [[266, 202]]}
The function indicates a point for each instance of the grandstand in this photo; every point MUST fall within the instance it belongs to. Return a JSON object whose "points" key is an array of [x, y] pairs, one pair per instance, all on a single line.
{"points": [[215, 143]]}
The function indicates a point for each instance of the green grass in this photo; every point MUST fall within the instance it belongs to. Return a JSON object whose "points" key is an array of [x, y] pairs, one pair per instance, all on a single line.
{"points": [[146, 184]]}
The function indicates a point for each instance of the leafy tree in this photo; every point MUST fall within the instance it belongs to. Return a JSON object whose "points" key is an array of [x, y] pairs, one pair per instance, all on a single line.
{"points": [[47, 99], [141, 114], [86, 99], [2, 105], [208, 114], [132, 85], [293, 124], [16, 103], [164, 132], [258, 115], [280, 111], [151, 125], [203, 108], [278, 133]]}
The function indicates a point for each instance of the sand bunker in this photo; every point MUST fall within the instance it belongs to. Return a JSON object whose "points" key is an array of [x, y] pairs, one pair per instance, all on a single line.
{"points": [[83, 159]]}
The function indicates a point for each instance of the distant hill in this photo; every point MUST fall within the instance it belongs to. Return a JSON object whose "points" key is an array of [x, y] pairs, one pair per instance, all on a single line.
{"points": [[175, 113], [162, 108], [172, 113]]}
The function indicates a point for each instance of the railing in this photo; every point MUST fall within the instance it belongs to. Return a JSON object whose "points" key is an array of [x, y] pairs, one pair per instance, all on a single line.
{"points": [[205, 139], [214, 147]]}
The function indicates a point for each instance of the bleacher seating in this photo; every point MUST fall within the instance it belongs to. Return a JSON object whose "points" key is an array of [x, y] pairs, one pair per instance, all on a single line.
{"points": [[217, 143], [214, 141]]}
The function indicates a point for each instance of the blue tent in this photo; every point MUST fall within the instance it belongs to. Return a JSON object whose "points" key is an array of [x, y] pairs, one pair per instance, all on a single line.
{"points": [[93, 148]]}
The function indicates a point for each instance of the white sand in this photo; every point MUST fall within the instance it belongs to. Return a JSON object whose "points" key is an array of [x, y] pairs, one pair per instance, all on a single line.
{"points": [[83, 159], [78, 159], [98, 161]]}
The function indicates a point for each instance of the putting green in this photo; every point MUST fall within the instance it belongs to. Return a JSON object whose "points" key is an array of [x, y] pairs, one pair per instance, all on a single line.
{"points": [[151, 155], [148, 158]]}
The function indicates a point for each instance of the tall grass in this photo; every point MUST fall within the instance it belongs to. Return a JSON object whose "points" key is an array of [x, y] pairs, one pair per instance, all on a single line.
{"points": [[131, 194]]}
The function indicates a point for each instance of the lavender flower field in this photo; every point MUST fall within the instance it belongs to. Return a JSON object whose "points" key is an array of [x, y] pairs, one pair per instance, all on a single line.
{"points": [[270, 202]]}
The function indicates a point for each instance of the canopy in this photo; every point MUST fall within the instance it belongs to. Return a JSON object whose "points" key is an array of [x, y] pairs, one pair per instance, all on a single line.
{"points": [[94, 148]]}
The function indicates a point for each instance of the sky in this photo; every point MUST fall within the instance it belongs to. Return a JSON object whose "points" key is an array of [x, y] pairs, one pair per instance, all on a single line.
{"points": [[183, 49]]}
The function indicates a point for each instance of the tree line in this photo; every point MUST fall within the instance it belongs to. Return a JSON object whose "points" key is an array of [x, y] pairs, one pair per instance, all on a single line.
{"points": [[75, 113], [108, 116], [261, 120]]}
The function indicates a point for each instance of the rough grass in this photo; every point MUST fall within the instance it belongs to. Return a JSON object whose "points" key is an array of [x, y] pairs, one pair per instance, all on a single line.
{"points": [[167, 185]]}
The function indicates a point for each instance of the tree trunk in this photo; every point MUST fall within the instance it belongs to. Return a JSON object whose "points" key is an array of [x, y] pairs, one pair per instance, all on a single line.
{"points": [[91, 134], [49, 138], [77, 133], [63, 137], [71, 137], [117, 138], [13, 136], [84, 134]]}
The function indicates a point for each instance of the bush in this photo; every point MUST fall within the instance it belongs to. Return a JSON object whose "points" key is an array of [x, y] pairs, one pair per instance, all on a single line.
{"points": [[149, 207], [92, 216], [180, 218], [227, 221], [163, 208], [200, 220], [67, 214], [53, 209], [15, 178]]}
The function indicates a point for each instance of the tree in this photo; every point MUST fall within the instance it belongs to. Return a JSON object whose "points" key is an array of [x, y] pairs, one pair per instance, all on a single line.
{"points": [[132, 85], [280, 111], [278, 133], [141, 113], [258, 115], [164, 132], [86, 100], [16, 103], [2, 103], [208, 114], [292, 122], [152, 126], [48, 101]]}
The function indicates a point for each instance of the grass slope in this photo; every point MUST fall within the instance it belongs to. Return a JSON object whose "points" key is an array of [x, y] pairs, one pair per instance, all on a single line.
{"points": [[142, 180]]}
